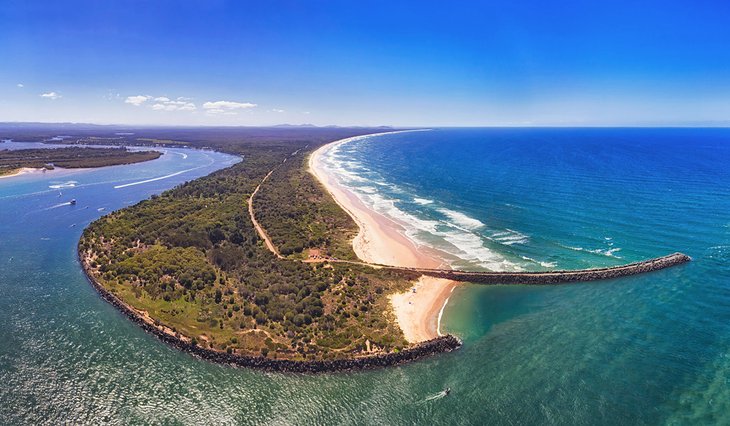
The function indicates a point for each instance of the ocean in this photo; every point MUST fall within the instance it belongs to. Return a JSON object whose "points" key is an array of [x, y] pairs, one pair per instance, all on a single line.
{"points": [[648, 349]]}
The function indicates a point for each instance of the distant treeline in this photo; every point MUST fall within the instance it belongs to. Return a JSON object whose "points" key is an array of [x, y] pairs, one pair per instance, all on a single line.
{"points": [[72, 157], [192, 259]]}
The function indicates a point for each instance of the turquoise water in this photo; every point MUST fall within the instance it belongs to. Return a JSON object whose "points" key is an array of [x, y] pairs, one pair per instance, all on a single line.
{"points": [[648, 349], [651, 349]]}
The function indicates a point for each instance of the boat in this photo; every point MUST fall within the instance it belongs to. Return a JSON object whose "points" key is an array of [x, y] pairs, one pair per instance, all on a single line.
{"points": [[73, 202], [447, 391]]}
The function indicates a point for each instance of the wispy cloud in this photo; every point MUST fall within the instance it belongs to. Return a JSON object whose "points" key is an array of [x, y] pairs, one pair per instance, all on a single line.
{"points": [[277, 110], [111, 95], [165, 104], [137, 100], [21, 85], [51, 95], [226, 107]]}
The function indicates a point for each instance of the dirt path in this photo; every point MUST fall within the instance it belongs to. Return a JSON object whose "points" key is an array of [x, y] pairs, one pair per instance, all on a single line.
{"points": [[262, 233]]}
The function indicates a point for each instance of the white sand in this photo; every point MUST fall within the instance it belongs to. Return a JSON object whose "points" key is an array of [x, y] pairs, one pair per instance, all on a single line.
{"points": [[380, 240], [22, 171]]}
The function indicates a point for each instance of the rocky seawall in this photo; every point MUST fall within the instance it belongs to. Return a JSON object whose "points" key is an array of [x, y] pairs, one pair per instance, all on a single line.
{"points": [[435, 346], [438, 345], [556, 277]]}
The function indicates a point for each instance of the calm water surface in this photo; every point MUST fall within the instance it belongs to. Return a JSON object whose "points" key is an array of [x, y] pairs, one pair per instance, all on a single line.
{"points": [[652, 349]]}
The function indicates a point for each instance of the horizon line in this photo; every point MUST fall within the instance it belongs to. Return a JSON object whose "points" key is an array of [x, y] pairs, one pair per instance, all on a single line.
{"points": [[719, 125]]}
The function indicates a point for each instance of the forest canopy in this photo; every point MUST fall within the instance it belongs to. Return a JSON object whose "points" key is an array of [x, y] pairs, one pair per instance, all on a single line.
{"points": [[72, 157], [193, 261]]}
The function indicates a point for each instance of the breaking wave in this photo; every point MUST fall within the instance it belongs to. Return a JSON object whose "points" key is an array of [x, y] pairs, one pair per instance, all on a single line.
{"points": [[610, 252], [461, 219], [459, 237]]}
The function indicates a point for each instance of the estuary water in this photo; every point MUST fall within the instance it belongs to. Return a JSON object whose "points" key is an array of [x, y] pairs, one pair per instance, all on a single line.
{"points": [[650, 349]]}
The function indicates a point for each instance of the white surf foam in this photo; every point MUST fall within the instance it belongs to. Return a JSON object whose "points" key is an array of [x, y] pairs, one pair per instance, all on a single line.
{"points": [[604, 252], [510, 237], [539, 262], [471, 248], [461, 219], [458, 235], [367, 189]]}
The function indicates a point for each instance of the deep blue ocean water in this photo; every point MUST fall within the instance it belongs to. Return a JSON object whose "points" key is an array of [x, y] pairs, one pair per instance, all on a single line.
{"points": [[647, 349], [650, 349]]}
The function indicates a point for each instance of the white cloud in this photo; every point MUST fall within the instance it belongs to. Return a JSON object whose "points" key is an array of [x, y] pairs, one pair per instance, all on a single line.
{"points": [[168, 105], [51, 95], [162, 103], [136, 100], [21, 85], [277, 110], [226, 107]]}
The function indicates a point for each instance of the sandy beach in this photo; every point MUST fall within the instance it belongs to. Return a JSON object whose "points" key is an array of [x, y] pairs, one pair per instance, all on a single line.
{"points": [[19, 172], [380, 240]]}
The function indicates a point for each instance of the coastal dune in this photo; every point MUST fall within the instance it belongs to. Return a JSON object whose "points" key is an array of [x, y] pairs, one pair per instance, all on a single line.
{"points": [[380, 241]]}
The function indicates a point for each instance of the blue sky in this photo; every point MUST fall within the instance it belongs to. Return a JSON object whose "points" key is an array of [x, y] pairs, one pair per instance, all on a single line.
{"points": [[419, 63]]}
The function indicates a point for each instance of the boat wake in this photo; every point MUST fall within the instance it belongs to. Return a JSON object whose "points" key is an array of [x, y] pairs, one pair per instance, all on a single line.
{"points": [[59, 205], [61, 185], [154, 179], [435, 397]]}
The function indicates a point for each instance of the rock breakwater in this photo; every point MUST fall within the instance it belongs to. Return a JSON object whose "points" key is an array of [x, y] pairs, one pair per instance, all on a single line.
{"points": [[556, 277]]}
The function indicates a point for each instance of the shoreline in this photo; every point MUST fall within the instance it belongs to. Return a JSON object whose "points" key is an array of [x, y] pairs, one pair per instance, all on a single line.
{"points": [[380, 240], [21, 171], [415, 352]]}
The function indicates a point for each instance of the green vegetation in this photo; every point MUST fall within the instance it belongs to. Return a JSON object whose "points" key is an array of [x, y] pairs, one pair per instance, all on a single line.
{"points": [[193, 261], [71, 158], [7, 171], [310, 220]]}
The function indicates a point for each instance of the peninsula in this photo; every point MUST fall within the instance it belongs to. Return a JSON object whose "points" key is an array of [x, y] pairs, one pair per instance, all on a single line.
{"points": [[190, 266], [270, 264]]}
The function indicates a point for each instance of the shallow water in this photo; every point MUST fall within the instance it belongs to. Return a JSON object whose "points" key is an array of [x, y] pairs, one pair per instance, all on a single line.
{"points": [[641, 350]]}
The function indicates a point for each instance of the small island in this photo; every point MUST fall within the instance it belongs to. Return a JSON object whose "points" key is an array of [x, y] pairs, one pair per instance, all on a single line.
{"points": [[14, 161]]}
